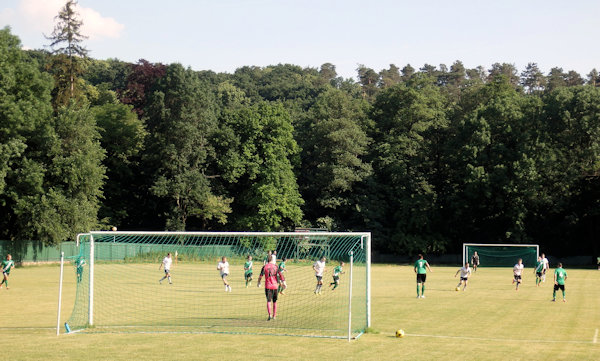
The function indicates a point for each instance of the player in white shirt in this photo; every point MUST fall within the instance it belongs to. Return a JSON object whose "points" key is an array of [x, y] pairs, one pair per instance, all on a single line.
{"points": [[517, 271], [223, 267], [166, 264], [319, 268], [545, 268], [465, 272]]}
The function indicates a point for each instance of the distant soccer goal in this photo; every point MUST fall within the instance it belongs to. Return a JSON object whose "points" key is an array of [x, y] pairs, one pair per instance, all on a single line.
{"points": [[501, 255], [118, 287]]}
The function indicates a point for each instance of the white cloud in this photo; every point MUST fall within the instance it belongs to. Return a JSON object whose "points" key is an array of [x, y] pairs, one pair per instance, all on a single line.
{"points": [[40, 14], [97, 26]]}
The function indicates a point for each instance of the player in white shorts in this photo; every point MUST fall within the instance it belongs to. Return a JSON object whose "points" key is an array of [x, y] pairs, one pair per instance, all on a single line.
{"points": [[223, 267], [319, 268], [465, 272], [517, 271], [166, 264], [545, 268]]}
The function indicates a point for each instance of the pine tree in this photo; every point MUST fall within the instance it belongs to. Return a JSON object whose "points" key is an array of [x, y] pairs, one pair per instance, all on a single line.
{"points": [[67, 65]]}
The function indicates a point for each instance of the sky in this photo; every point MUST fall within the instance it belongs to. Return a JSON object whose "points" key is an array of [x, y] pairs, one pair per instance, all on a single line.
{"points": [[223, 35]]}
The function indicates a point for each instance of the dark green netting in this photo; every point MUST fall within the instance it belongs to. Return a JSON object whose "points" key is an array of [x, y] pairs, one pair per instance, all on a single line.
{"points": [[503, 256]]}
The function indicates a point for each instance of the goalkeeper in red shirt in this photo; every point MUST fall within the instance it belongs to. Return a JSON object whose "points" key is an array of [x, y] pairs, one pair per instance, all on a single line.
{"points": [[272, 279]]}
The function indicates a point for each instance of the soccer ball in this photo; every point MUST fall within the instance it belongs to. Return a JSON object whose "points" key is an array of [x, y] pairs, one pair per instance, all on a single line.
{"points": [[400, 333], [457, 289]]}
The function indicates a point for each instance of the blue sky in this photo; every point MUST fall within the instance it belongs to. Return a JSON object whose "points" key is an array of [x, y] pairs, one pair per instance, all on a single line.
{"points": [[222, 35]]}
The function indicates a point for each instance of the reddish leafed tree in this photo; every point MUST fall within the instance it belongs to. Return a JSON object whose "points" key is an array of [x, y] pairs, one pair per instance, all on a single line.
{"points": [[140, 83]]}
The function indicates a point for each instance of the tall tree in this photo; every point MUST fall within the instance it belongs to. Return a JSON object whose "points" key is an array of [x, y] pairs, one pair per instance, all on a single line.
{"points": [[328, 73], [532, 79], [141, 82], [334, 148], [556, 79], [410, 121], [389, 77], [74, 178], [572, 78], [181, 121], [442, 75], [476, 76], [493, 157], [571, 171], [429, 70], [122, 136], [407, 72], [66, 43], [368, 79], [50, 166], [507, 70], [25, 138], [267, 196], [458, 75], [593, 78]]}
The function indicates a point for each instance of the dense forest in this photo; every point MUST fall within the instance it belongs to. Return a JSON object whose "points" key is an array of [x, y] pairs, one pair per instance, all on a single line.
{"points": [[425, 159]]}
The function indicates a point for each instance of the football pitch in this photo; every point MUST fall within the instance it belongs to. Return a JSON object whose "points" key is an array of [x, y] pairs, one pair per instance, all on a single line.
{"points": [[489, 321]]}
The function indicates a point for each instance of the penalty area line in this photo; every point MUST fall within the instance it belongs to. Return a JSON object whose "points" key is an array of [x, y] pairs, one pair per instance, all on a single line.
{"points": [[595, 339], [499, 339]]}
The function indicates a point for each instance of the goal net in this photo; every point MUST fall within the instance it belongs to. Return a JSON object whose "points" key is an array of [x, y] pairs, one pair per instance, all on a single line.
{"points": [[501, 255], [118, 287]]}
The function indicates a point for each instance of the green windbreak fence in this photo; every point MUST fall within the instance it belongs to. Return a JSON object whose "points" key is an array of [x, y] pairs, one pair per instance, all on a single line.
{"points": [[36, 251]]}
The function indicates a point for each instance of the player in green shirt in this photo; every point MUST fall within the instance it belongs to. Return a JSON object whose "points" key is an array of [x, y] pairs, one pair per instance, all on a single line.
{"points": [[6, 265], [282, 285], [248, 271], [539, 271], [421, 267], [337, 271], [560, 276]]}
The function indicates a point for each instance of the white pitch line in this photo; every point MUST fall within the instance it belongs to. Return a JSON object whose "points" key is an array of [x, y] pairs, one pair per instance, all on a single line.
{"points": [[595, 340], [501, 339], [27, 328]]}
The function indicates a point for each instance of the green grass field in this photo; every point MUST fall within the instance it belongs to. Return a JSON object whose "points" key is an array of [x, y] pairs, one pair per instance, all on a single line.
{"points": [[490, 321]]}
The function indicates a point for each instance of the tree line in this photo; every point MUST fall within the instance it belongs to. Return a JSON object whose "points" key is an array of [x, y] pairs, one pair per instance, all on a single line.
{"points": [[425, 159]]}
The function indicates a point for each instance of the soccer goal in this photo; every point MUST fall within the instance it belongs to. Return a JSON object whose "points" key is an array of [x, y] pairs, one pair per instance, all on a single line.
{"points": [[118, 290], [501, 255]]}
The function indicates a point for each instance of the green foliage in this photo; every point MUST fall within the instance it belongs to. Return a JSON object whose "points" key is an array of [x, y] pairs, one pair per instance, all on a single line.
{"points": [[181, 120], [424, 158], [50, 165], [334, 145], [410, 124], [496, 164], [268, 197], [75, 176], [122, 135]]}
